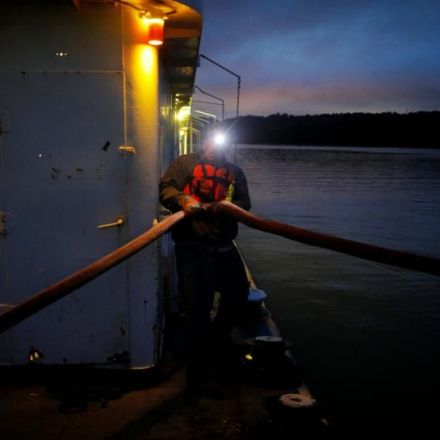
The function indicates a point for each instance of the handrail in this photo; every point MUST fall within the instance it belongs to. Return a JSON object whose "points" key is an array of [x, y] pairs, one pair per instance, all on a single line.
{"points": [[67, 285], [379, 254]]}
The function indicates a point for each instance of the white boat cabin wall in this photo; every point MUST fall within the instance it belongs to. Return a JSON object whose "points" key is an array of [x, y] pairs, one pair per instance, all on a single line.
{"points": [[87, 126]]}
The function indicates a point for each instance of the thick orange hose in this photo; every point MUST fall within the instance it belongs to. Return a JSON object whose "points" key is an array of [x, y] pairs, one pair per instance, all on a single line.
{"points": [[362, 250], [74, 281]]}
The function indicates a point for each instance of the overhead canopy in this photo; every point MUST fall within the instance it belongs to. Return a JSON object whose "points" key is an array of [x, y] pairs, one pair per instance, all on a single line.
{"points": [[183, 29], [180, 50]]}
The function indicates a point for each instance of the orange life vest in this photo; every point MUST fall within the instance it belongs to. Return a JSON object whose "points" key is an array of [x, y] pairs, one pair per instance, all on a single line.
{"points": [[208, 183]]}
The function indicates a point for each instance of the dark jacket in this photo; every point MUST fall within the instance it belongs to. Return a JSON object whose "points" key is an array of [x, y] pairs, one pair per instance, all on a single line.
{"points": [[171, 187]]}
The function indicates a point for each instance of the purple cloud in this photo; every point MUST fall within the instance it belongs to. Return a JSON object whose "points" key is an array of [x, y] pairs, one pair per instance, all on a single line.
{"points": [[357, 55]]}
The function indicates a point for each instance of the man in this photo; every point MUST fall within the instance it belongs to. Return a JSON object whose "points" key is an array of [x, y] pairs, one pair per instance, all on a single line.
{"points": [[206, 258]]}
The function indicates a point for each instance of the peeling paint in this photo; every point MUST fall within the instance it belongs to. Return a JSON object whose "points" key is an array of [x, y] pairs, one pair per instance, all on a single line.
{"points": [[59, 174], [3, 230], [119, 358], [55, 174]]}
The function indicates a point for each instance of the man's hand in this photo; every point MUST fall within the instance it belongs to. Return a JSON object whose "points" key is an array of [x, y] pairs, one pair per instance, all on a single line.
{"points": [[189, 204], [214, 207]]}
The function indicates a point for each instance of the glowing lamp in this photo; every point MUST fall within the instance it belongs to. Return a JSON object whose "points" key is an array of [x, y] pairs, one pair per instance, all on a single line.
{"points": [[155, 31], [219, 139], [184, 113]]}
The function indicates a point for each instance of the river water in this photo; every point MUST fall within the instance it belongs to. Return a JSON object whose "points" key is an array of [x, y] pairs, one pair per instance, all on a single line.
{"points": [[367, 335]]}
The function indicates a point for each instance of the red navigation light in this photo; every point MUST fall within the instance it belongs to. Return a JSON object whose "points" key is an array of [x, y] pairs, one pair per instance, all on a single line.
{"points": [[155, 31]]}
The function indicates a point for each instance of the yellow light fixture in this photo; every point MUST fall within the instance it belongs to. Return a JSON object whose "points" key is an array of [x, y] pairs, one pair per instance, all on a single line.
{"points": [[184, 113]]}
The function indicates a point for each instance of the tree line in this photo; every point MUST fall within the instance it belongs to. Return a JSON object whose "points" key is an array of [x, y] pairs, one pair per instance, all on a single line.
{"points": [[418, 129]]}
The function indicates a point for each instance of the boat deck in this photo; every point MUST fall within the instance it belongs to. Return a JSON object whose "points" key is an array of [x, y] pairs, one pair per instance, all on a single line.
{"points": [[161, 411]]}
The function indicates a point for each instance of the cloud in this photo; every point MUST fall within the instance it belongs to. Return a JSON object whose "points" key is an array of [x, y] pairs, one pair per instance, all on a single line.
{"points": [[314, 46], [337, 98]]}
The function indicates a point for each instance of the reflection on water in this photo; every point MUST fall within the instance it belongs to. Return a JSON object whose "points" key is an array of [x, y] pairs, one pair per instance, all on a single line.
{"points": [[368, 334]]}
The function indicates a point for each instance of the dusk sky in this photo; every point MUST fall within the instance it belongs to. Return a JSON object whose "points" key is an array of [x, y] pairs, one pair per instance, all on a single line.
{"points": [[322, 56]]}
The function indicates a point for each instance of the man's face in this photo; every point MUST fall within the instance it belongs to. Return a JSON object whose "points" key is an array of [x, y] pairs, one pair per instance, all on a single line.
{"points": [[211, 150]]}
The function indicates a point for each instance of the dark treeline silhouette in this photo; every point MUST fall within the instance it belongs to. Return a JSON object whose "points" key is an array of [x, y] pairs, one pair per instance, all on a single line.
{"points": [[419, 129]]}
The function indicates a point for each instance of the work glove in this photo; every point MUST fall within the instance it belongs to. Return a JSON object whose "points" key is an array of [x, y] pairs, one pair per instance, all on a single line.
{"points": [[189, 204]]}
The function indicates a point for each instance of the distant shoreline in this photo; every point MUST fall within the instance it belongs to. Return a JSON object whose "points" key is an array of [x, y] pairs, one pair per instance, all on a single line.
{"points": [[355, 148], [378, 130]]}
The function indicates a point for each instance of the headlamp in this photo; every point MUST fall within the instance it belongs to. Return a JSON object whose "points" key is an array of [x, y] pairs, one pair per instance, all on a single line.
{"points": [[219, 139]]}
